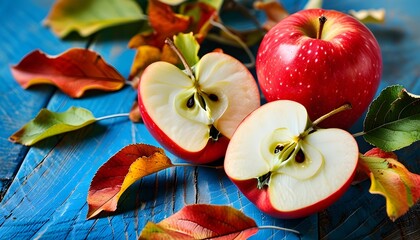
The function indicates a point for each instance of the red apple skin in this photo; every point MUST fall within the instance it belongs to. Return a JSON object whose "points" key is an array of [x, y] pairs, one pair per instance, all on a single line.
{"points": [[322, 75], [213, 151], [259, 197]]}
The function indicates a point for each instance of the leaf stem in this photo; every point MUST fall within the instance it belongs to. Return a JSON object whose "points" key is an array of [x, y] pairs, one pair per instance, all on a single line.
{"points": [[196, 165], [346, 106], [237, 39], [129, 83], [113, 116], [280, 228]]}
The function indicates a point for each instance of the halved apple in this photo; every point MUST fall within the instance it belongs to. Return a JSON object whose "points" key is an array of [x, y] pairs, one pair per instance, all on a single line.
{"points": [[287, 167], [194, 113]]}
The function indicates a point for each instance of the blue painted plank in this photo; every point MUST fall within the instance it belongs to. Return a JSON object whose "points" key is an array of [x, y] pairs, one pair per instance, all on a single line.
{"points": [[21, 31], [47, 199]]}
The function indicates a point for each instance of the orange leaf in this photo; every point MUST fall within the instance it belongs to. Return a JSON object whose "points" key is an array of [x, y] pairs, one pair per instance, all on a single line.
{"points": [[202, 221], [391, 179], [135, 115], [145, 56], [73, 72], [274, 10], [202, 13], [130, 164]]}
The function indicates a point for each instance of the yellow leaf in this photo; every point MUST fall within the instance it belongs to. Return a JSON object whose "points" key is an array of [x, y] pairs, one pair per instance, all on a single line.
{"points": [[130, 164], [391, 179]]}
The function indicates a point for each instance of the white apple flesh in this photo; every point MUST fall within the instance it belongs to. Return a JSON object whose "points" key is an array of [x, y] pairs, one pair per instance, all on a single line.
{"points": [[286, 167], [195, 116]]}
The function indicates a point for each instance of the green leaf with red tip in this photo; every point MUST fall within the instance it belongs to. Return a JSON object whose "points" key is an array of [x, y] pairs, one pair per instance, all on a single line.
{"points": [[47, 124], [393, 119], [130, 164], [73, 72], [392, 180], [202, 221], [89, 16]]}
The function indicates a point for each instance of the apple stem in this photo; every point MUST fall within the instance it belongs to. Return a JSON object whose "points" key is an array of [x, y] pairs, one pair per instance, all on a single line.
{"points": [[113, 116], [181, 57], [280, 228], [322, 21], [359, 134], [346, 106], [197, 165]]}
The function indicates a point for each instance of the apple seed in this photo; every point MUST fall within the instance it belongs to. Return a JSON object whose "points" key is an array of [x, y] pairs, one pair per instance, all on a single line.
{"points": [[190, 102], [214, 133], [263, 180], [300, 157], [213, 97], [278, 148]]}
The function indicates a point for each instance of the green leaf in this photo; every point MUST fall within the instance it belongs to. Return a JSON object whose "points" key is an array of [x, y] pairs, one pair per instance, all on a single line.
{"points": [[90, 16], [216, 4], [172, 2], [392, 180], [313, 4], [47, 124], [188, 46], [393, 119]]}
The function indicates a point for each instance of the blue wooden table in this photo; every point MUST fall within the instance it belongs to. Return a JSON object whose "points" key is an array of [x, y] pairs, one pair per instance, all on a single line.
{"points": [[43, 189]]}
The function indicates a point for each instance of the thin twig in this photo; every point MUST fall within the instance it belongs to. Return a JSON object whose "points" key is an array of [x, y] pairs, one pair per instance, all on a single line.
{"points": [[197, 165], [237, 39], [280, 228], [113, 116], [358, 134]]}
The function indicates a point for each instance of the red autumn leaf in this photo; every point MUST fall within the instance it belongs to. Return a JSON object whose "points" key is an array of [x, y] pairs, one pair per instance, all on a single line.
{"points": [[202, 15], [165, 23], [392, 180], [130, 164], [73, 72], [202, 221]]}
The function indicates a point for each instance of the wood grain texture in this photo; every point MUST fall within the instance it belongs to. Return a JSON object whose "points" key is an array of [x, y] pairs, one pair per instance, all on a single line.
{"points": [[49, 182], [21, 31]]}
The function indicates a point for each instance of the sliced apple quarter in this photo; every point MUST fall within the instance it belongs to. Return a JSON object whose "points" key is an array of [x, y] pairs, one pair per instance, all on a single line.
{"points": [[287, 167], [189, 112]]}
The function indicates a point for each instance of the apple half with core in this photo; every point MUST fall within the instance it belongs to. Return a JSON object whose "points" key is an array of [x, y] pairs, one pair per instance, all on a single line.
{"points": [[287, 166], [194, 112], [322, 59]]}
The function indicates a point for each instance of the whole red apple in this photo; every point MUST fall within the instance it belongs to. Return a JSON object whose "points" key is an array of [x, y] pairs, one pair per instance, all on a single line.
{"points": [[322, 59]]}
